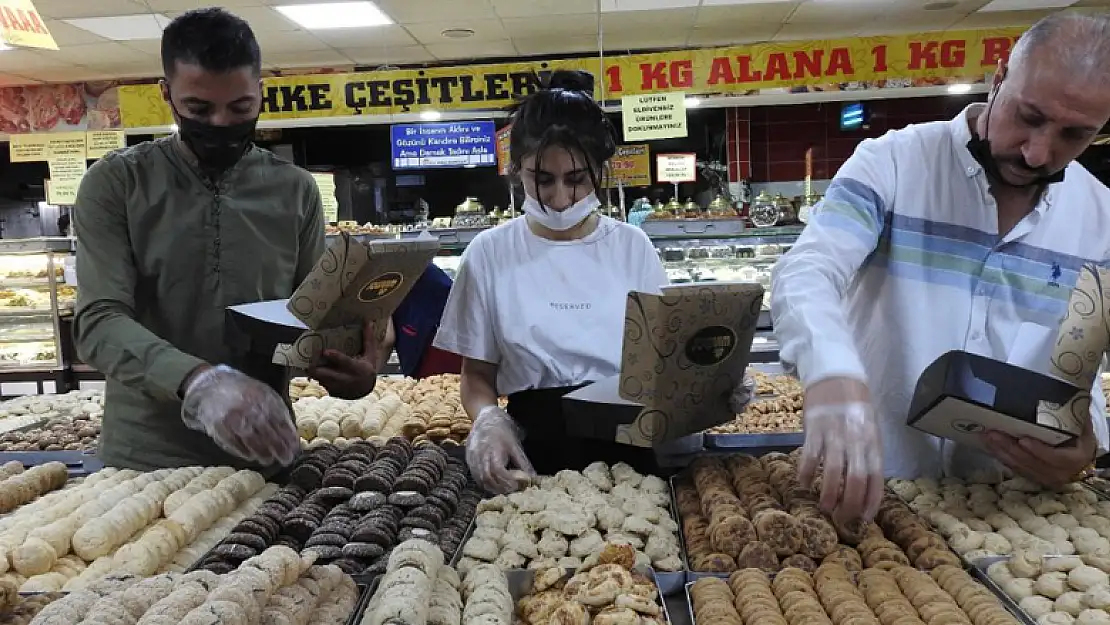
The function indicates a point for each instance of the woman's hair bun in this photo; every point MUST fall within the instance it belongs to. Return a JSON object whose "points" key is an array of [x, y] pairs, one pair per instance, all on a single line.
{"points": [[572, 80]]}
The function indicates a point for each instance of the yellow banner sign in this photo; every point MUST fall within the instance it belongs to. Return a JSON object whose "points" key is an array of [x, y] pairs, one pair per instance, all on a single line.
{"points": [[649, 116], [22, 26], [918, 59], [630, 166]]}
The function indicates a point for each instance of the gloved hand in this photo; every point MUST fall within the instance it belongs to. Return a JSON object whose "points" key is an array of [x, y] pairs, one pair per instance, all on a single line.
{"points": [[491, 448], [245, 417], [842, 434], [742, 395]]}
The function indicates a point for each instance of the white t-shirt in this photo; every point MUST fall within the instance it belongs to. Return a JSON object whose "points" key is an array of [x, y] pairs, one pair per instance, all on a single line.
{"points": [[548, 313]]}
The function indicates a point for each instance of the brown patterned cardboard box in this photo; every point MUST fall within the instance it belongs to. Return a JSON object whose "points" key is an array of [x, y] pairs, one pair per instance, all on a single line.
{"points": [[351, 284], [684, 352]]}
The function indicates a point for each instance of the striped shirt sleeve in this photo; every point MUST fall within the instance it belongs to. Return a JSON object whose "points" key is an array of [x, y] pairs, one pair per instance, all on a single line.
{"points": [[809, 282]]}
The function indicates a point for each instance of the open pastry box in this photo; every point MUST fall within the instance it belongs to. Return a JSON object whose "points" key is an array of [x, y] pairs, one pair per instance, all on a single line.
{"points": [[684, 352], [961, 395], [351, 284]]}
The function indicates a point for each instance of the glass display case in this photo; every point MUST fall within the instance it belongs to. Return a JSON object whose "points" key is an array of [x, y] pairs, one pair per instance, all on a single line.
{"points": [[33, 295]]}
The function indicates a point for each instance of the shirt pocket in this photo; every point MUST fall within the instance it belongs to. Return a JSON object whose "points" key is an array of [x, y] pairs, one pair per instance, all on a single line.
{"points": [[1032, 347]]}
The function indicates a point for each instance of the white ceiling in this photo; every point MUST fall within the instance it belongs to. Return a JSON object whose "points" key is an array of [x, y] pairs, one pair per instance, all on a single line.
{"points": [[502, 28]]}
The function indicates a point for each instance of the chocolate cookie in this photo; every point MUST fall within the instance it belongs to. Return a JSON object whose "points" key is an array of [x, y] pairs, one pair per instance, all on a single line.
{"points": [[326, 552], [220, 567], [377, 481], [367, 501], [289, 541], [299, 528], [336, 493], [349, 566], [306, 476], [373, 534], [407, 499], [234, 553], [265, 528], [324, 538], [419, 522], [339, 477], [364, 551], [250, 540]]}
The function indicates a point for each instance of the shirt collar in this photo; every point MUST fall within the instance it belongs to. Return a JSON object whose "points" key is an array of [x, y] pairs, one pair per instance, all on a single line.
{"points": [[961, 134]]}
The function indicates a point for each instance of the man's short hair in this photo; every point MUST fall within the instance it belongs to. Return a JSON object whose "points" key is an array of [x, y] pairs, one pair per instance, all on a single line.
{"points": [[211, 38], [1079, 42]]}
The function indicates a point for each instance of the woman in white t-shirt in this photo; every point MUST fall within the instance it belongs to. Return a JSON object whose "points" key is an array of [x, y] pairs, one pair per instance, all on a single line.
{"points": [[537, 308]]}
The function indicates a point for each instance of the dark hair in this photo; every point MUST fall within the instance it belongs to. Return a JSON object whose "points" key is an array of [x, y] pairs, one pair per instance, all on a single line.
{"points": [[563, 114], [212, 38]]}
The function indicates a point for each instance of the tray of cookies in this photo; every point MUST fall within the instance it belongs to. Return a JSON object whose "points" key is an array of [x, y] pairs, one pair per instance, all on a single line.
{"points": [[275, 586], [1050, 588], [982, 520], [716, 438], [77, 463], [418, 587], [740, 512], [834, 594], [562, 520], [608, 586], [351, 506]]}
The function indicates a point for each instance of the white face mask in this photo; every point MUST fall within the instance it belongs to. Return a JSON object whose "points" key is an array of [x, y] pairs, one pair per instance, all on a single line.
{"points": [[560, 221]]}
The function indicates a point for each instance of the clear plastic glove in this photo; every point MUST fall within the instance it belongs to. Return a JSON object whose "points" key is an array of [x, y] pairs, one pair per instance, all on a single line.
{"points": [[493, 450], [742, 395], [245, 417], [845, 439]]}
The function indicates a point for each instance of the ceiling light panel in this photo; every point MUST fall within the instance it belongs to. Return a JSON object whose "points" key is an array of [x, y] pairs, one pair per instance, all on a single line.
{"points": [[1025, 5], [721, 3], [336, 15], [123, 27], [621, 6]]}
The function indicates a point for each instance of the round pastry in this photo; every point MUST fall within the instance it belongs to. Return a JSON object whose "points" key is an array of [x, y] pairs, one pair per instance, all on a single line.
{"points": [[714, 563], [1070, 602], [1097, 597], [758, 555], [1019, 588], [1051, 585], [1085, 577], [800, 561], [731, 535], [1056, 618], [1036, 606], [845, 557], [780, 531], [819, 538], [1092, 617]]}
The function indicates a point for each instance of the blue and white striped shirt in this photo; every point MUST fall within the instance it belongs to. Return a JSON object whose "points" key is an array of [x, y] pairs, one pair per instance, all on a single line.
{"points": [[903, 262]]}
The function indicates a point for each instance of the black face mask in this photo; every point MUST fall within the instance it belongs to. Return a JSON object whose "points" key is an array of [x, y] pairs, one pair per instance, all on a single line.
{"points": [[981, 151], [217, 148]]}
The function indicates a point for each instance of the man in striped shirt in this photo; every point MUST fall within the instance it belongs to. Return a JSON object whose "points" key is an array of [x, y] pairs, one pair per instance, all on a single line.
{"points": [[966, 234]]}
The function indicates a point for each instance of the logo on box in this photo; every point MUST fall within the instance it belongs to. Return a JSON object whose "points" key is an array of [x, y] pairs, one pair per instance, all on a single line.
{"points": [[710, 346], [381, 286]]}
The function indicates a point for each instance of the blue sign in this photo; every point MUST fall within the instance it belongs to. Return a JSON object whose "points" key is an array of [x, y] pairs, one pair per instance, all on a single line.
{"points": [[448, 144]]}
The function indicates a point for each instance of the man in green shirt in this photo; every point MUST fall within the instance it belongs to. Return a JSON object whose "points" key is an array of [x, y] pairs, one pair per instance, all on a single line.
{"points": [[171, 232]]}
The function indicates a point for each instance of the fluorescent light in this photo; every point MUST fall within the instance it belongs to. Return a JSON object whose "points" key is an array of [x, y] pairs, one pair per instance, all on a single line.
{"points": [[123, 27], [4, 47], [619, 6], [173, 127], [336, 15], [430, 116], [693, 103], [1025, 5], [959, 88]]}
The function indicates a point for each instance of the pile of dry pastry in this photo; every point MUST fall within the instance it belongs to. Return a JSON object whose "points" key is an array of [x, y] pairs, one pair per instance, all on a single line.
{"points": [[123, 521], [832, 594], [276, 586], [742, 512], [606, 590], [428, 409], [564, 519], [419, 588], [69, 422], [982, 520], [779, 412], [1057, 589]]}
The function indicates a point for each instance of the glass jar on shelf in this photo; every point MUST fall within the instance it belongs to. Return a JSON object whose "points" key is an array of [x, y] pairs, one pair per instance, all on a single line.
{"points": [[720, 208], [787, 214], [691, 210], [674, 207], [764, 212]]}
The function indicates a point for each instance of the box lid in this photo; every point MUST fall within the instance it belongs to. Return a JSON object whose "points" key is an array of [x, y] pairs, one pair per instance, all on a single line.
{"points": [[684, 352]]}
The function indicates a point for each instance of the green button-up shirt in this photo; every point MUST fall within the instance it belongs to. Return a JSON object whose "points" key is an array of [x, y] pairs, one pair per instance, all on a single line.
{"points": [[162, 250]]}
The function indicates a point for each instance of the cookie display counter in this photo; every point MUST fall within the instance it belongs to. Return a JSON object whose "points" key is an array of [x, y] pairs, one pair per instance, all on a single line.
{"points": [[33, 297]]}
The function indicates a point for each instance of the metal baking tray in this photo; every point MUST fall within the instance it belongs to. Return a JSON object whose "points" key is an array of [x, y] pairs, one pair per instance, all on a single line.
{"points": [[366, 591], [669, 582], [1100, 487], [690, 574], [755, 444], [520, 584], [690, 604], [78, 463], [978, 570]]}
